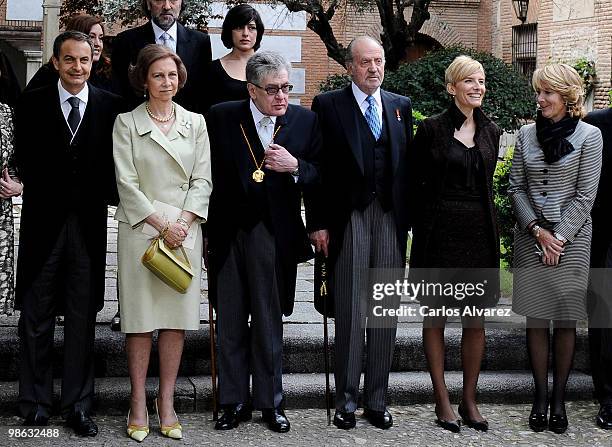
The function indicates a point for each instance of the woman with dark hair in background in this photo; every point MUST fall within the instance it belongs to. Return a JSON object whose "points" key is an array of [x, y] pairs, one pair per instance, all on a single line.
{"points": [[242, 31], [101, 69]]}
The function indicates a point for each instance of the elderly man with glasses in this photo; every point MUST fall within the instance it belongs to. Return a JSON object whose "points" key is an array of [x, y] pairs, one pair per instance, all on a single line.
{"points": [[263, 155]]}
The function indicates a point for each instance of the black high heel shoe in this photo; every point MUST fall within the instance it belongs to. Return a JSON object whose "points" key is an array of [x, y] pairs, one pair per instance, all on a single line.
{"points": [[476, 425], [558, 423], [538, 421], [452, 426]]}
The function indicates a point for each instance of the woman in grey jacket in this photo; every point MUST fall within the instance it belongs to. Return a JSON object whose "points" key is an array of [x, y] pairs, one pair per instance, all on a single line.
{"points": [[553, 183]]}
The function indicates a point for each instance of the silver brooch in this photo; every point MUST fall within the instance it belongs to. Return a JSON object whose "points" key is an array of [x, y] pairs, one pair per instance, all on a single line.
{"points": [[187, 124]]}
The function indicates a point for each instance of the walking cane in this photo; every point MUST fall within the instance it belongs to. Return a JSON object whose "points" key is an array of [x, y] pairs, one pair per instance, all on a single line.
{"points": [[325, 296], [213, 360]]}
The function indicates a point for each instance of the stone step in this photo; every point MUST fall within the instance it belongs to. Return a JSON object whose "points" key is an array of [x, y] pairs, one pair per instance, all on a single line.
{"points": [[303, 351], [194, 393]]}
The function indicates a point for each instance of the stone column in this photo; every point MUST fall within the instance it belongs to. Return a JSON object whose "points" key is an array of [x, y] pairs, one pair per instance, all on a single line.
{"points": [[33, 63], [51, 10]]}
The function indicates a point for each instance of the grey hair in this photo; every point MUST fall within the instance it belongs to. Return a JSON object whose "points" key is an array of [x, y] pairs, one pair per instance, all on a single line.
{"points": [[348, 58], [264, 63]]}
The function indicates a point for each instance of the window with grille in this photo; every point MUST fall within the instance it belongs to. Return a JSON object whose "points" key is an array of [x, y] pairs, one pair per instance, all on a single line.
{"points": [[525, 48]]}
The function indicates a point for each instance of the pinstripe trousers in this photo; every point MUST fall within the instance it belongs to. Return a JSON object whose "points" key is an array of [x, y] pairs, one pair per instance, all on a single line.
{"points": [[370, 241]]}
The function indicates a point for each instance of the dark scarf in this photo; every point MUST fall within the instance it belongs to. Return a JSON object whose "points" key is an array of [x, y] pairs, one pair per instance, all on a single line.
{"points": [[552, 137]]}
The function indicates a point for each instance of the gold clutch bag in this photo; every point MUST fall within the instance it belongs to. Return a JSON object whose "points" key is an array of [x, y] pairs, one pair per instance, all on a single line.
{"points": [[167, 266]]}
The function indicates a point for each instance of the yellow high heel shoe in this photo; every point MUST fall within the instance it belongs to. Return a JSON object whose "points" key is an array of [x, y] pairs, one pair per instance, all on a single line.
{"points": [[174, 431], [137, 432]]}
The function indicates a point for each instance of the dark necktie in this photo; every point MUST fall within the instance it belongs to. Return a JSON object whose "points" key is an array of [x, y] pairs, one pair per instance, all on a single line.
{"points": [[74, 117]]}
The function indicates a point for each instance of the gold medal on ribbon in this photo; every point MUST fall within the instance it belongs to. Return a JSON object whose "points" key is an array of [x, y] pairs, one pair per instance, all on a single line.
{"points": [[258, 175]]}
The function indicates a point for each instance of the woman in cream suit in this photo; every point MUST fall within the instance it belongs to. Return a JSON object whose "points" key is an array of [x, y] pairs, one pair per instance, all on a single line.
{"points": [[553, 183], [161, 153]]}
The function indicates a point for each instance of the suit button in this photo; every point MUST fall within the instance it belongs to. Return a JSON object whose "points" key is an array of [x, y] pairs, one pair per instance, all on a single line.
{"points": [[545, 171], [544, 193], [185, 186], [545, 182]]}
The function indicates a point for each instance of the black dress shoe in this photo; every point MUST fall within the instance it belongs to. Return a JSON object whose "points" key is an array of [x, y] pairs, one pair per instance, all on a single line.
{"points": [[82, 424], [344, 420], [276, 420], [233, 415], [604, 417], [476, 425], [557, 423], [453, 426], [36, 418], [380, 419]]}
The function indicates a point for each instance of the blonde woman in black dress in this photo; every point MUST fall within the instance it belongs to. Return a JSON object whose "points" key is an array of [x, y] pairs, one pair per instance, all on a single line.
{"points": [[10, 186], [455, 236]]}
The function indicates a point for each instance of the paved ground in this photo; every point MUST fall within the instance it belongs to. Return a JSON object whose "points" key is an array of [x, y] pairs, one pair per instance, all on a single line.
{"points": [[414, 426]]}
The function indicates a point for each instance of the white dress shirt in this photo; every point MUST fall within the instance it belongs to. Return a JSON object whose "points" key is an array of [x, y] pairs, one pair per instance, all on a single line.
{"points": [[257, 116], [172, 39], [64, 95], [360, 97]]}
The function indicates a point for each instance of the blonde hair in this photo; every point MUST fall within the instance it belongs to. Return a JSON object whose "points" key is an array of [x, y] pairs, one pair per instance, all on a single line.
{"points": [[461, 68], [565, 80]]}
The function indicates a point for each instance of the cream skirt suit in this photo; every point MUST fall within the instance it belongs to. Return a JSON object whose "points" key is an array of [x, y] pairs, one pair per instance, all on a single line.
{"points": [[174, 169]]}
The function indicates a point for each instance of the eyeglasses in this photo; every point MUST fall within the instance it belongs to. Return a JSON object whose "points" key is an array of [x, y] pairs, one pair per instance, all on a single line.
{"points": [[161, 2], [274, 89]]}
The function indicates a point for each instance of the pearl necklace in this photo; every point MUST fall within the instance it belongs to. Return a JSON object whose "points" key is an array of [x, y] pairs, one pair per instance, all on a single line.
{"points": [[157, 118]]}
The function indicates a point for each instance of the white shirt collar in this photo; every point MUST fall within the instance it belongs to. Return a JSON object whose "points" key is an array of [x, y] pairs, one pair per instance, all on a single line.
{"points": [[360, 97], [158, 31], [257, 115], [64, 94]]}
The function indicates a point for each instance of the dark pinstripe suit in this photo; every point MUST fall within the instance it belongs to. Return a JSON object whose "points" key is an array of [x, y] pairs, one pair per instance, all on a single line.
{"points": [[366, 230]]}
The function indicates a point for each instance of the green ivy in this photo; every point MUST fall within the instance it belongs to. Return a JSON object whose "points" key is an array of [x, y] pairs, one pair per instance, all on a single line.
{"points": [[586, 70], [505, 217]]}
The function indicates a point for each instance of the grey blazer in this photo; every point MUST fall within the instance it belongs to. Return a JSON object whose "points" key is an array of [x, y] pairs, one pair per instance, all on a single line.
{"points": [[561, 193]]}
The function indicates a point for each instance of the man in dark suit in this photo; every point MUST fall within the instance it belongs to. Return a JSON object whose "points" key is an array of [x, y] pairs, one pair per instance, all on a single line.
{"points": [[263, 154], [600, 293], [361, 214], [63, 150], [193, 47]]}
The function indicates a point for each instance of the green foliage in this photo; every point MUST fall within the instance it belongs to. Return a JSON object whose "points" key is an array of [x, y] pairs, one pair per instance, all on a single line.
{"points": [[505, 217], [509, 97], [127, 12], [586, 70], [335, 82]]}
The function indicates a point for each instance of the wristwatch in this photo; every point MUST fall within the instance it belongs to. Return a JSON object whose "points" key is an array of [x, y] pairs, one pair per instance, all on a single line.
{"points": [[535, 230], [296, 173]]}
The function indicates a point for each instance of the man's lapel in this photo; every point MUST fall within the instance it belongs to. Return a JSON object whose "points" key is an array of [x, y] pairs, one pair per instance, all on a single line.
{"points": [[242, 155], [395, 126], [345, 107], [183, 44]]}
